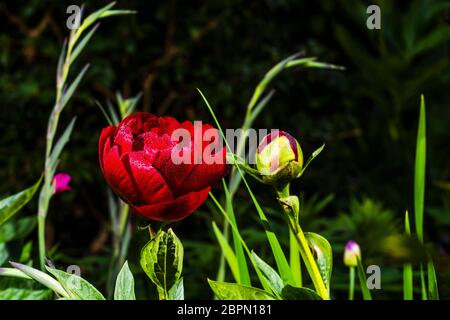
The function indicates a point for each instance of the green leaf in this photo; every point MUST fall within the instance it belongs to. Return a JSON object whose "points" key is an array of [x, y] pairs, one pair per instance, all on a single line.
{"points": [[280, 258], [59, 146], [292, 293], [177, 291], [407, 268], [419, 174], [363, 281], [12, 288], [42, 278], [77, 287], [17, 229], [124, 284], [323, 255], [4, 253], [162, 261], [71, 89], [227, 251], [311, 158], [244, 275], [234, 291], [433, 291], [11, 205], [272, 277], [82, 44]]}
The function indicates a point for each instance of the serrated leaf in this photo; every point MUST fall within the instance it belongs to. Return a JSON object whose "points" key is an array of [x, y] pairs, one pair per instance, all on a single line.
{"points": [[272, 277], [124, 284], [77, 287], [234, 291], [162, 261], [293, 293], [323, 255], [11, 205]]}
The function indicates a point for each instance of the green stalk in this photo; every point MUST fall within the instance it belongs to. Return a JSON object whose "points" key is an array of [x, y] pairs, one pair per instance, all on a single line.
{"points": [[294, 259], [308, 259], [351, 285]]}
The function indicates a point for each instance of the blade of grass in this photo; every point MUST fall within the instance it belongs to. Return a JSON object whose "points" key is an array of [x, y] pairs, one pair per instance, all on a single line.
{"points": [[228, 252], [407, 269], [363, 282], [419, 174], [423, 286], [419, 185], [280, 259], [432, 281], [234, 227], [244, 276]]}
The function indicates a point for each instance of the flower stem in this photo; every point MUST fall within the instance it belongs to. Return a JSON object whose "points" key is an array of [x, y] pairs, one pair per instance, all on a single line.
{"points": [[351, 287], [291, 210]]}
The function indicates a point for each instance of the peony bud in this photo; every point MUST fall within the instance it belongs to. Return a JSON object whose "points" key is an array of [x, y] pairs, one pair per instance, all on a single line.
{"points": [[61, 182], [352, 254], [279, 158]]}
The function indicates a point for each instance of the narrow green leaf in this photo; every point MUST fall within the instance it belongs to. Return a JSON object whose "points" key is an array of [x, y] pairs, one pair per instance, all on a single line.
{"points": [[244, 275], [59, 146], [234, 291], [419, 174], [162, 261], [363, 281], [71, 89], [311, 158], [280, 258], [227, 251], [76, 52], [12, 272], [42, 278], [261, 277], [293, 293], [433, 291], [323, 255], [407, 268], [272, 277], [124, 289], [9, 206], [423, 285], [76, 286]]}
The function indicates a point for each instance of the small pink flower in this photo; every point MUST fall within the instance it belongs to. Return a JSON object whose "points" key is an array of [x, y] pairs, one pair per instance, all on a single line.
{"points": [[61, 182]]}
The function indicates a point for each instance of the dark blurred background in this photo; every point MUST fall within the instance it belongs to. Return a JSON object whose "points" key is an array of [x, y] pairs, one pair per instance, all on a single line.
{"points": [[358, 188]]}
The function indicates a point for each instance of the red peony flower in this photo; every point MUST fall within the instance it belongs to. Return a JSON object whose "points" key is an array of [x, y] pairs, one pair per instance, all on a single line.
{"points": [[162, 168]]}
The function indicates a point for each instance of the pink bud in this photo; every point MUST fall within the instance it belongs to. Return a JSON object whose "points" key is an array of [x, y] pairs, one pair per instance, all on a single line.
{"points": [[61, 182]]}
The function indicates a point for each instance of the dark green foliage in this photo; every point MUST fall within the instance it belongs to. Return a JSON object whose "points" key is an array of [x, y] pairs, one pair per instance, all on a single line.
{"points": [[366, 115]]}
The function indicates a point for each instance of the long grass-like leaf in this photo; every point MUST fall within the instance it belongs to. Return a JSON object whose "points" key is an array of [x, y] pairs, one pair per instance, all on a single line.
{"points": [[228, 252], [244, 276], [280, 258], [363, 281], [419, 173], [261, 277], [407, 268]]}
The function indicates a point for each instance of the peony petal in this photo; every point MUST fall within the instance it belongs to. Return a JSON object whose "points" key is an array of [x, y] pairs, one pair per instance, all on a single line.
{"points": [[124, 139], [118, 178], [174, 210], [147, 181], [105, 136]]}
